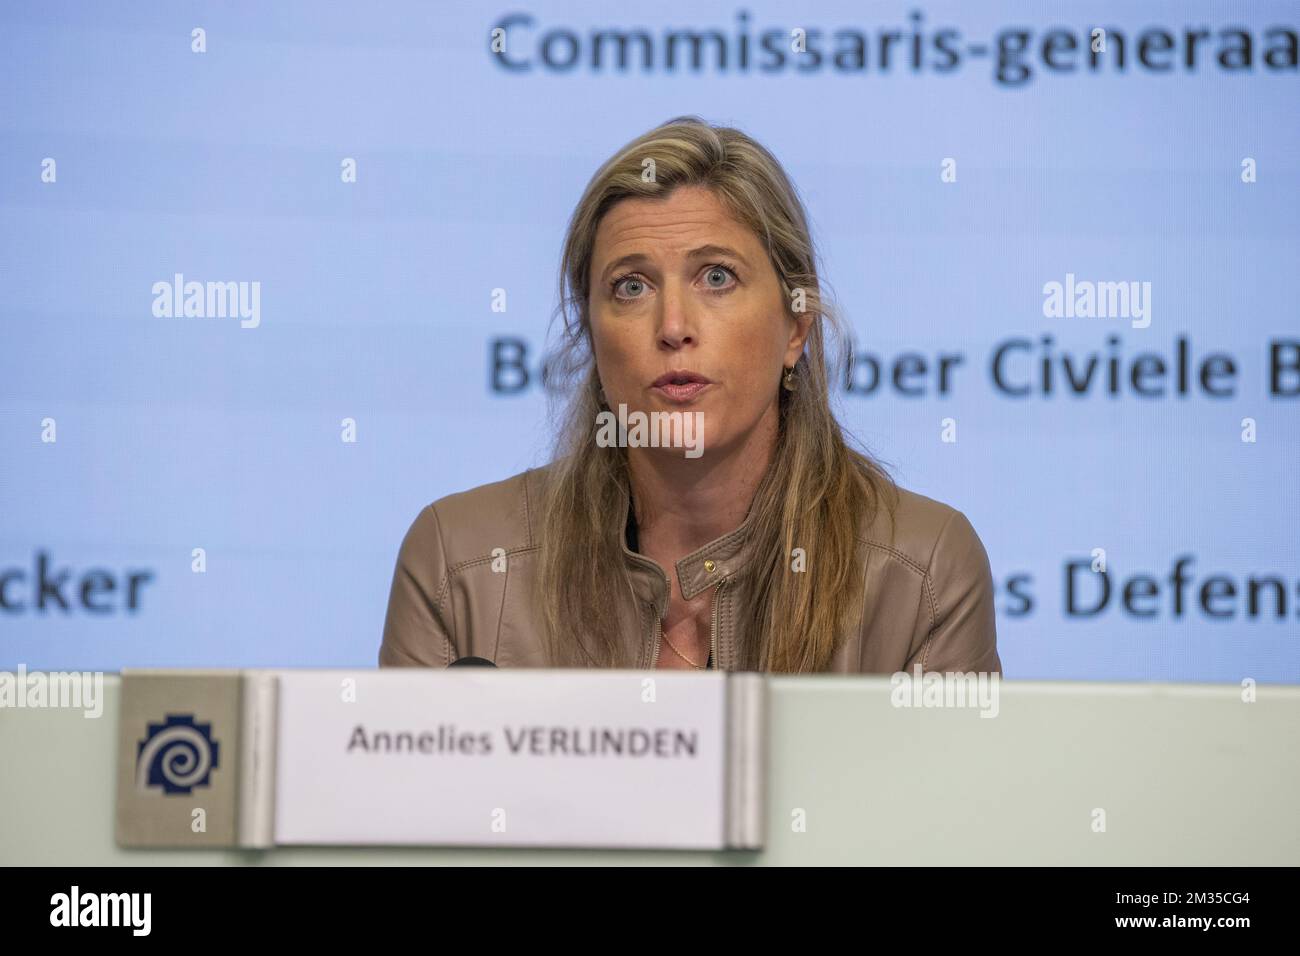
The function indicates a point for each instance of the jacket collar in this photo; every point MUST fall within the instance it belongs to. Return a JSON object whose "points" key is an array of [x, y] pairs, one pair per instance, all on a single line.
{"points": [[703, 568]]}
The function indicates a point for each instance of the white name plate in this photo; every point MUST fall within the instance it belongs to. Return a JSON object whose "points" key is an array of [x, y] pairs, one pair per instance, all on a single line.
{"points": [[482, 757]]}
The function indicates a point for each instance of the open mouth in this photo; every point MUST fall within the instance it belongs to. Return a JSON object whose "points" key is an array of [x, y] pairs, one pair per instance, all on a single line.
{"points": [[680, 386]]}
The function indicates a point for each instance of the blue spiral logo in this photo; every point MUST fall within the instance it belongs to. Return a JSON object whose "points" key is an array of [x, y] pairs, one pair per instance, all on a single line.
{"points": [[176, 756]]}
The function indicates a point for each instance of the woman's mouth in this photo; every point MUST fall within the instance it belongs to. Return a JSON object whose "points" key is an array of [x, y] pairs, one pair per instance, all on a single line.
{"points": [[680, 386]]}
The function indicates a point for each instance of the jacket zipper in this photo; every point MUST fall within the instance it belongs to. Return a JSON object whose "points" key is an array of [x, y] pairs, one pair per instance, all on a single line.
{"points": [[713, 630], [659, 633], [713, 627]]}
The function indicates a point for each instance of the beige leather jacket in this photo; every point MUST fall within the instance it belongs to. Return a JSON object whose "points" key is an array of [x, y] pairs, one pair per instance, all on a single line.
{"points": [[929, 591]]}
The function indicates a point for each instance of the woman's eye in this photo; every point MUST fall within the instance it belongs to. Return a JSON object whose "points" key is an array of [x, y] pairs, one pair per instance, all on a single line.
{"points": [[717, 277], [629, 288]]}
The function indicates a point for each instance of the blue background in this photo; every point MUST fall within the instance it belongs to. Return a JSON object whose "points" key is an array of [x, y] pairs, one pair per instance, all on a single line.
{"points": [[175, 434]]}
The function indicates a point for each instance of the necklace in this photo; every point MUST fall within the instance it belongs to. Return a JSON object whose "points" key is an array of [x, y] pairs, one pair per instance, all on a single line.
{"points": [[698, 667]]}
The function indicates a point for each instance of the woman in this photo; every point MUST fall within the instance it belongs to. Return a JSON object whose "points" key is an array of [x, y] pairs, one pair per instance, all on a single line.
{"points": [[689, 287]]}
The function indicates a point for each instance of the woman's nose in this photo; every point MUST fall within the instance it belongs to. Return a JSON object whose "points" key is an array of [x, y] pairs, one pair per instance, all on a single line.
{"points": [[676, 319]]}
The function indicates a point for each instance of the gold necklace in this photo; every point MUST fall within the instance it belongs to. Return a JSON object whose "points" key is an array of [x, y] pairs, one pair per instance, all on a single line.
{"points": [[698, 667]]}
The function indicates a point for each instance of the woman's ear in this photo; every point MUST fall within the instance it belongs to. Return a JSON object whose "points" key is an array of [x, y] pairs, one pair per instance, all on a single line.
{"points": [[802, 325]]}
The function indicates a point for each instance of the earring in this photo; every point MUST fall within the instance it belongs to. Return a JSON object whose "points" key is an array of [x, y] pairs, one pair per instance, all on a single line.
{"points": [[788, 381]]}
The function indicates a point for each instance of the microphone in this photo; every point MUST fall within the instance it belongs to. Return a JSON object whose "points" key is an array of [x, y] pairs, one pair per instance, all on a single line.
{"points": [[471, 662]]}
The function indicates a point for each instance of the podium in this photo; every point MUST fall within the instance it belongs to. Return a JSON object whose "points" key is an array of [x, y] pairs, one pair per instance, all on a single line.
{"points": [[851, 773]]}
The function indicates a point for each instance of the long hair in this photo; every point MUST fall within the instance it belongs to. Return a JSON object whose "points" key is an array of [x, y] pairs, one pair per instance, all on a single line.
{"points": [[818, 492]]}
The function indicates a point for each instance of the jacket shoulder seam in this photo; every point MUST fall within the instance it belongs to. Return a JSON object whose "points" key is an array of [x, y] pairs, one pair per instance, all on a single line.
{"points": [[444, 588], [485, 558], [446, 575], [528, 511], [934, 619], [896, 553], [929, 590], [478, 559]]}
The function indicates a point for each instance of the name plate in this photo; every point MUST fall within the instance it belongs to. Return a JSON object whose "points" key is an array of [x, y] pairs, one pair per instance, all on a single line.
{"points": [[480, 757]]}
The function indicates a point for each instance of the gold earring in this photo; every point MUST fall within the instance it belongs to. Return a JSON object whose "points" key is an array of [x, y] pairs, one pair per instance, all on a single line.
{"points": [[788, 381]]}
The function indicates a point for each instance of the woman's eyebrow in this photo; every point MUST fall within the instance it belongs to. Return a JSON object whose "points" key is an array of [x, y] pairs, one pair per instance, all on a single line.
{"points": [[631, 259], [699, 252]]}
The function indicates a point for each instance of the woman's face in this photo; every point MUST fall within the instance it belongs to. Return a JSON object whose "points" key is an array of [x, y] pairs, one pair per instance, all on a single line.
{"points": [[679, 286]]}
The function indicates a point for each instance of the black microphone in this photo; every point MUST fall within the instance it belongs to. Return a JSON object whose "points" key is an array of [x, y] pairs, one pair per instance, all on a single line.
{"points": [[471, 662]]}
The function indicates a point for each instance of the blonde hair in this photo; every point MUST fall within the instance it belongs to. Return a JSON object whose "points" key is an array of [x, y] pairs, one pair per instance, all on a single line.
{"points": [[818, 493]]}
